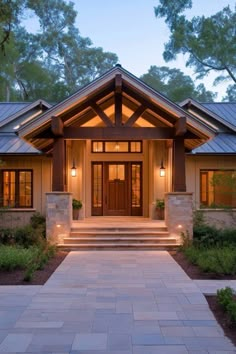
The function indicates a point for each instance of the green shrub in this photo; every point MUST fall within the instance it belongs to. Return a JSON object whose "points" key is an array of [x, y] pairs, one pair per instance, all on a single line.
{"points": [[209, 236], [214, 260], [38, 221], [12, 257], [225, 296], [231, 311], [7, 236], [205, 235], [27, 236], [192, 253]]}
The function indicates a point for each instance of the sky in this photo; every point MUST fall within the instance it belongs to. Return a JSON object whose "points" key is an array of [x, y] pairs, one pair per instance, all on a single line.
{"points": [[130, 29]]}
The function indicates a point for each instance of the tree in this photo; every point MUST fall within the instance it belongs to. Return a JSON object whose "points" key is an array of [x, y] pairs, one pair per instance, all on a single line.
{"points": [[175, 85], [10, 12], [208, 42], [55, 61]]}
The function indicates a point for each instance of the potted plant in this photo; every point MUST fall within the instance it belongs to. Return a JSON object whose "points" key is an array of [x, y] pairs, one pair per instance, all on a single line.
{"points": [[160, 207], [76, 205]]}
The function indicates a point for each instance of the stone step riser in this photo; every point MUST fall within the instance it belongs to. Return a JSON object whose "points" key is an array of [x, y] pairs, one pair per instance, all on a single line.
{"points": [[118, 241], [118, 234], [136, 247], [119, 229]]}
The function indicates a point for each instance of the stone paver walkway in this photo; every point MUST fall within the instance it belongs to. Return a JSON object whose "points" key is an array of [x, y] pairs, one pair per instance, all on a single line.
{"points": [[111, 303]]}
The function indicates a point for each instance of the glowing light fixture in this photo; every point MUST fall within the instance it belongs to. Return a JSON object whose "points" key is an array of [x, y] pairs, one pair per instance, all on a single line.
{"points": [[73, 169], [162, 170]]}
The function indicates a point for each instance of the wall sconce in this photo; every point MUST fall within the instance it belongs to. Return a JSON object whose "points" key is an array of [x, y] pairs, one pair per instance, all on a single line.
{"points": [[162, 170], [73, 169]]}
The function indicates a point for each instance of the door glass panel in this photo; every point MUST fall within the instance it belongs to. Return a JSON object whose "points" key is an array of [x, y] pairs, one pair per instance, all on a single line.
{"points": [[97, 185], [136, 185], [116, 172]]}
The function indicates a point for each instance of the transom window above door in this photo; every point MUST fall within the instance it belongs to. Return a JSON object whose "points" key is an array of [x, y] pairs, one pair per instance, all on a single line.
{"points": [[117, 146]]}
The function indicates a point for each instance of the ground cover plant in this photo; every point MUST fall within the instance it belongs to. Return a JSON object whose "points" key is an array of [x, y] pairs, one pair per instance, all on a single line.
{"points": [[25, 248]]}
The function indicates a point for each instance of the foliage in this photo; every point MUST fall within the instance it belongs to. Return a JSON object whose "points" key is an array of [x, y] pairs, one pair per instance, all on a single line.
{"points": [[76, 204], [16, 257], [175, 85], [226, 298], [28, 259], [186, 240], [209, 236], [38, 222], [26, 236], [214, 260], [209, 42], [160, 203], [54, 61]]}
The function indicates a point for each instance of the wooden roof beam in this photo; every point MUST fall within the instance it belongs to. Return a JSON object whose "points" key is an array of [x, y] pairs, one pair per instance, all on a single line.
{"points": [[101, 114], [180, 126], [57, 126], [139, 111]]}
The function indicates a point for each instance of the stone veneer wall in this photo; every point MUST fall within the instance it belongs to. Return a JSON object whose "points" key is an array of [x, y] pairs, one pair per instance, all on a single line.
{"points": [[15, 218], [179, 213], [58, 216], [220, 218]]}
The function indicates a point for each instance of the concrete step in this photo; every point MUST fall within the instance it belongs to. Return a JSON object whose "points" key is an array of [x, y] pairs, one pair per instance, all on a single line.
{"points": [[119, 229], [135, 234], [120, 239], [120, 246]]}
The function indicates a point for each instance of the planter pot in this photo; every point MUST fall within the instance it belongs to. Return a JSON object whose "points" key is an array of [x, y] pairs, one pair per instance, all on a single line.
{"points": [[75, 214], [160, 213]]}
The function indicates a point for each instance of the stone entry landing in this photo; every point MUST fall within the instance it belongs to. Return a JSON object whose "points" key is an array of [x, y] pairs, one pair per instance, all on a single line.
{"points": [[136, 233]]}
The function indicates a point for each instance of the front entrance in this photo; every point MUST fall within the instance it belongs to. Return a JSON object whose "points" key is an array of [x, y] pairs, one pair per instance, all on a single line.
{"points": [[117, 188]]}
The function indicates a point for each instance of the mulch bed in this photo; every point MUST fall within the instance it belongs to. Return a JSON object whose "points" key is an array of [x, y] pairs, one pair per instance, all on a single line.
{"points": [[221, 318], [195, 273], [40, 276]]}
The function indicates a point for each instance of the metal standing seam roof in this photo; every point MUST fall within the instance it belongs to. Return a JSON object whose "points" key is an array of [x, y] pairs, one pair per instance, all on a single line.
{"points": [[225, 110], [9, 108], [12, 144], [222, 143]]}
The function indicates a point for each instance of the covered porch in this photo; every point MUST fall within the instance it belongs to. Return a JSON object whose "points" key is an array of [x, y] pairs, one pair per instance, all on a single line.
{"points": [[116, 133]]}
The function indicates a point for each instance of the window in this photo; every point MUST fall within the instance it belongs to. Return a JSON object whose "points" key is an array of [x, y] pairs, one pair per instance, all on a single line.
{"points": [[117, 146], [218, 188], [16, 188]]}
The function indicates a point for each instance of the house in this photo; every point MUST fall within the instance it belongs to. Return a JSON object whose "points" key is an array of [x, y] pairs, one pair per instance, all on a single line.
{"points": [[117, 145]]}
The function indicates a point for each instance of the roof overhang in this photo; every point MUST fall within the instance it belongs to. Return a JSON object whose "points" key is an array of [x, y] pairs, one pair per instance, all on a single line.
{"points": [[87, 105]]}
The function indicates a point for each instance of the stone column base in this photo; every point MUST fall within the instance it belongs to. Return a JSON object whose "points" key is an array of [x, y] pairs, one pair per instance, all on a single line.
{"points": [[58, 216], [179, 214]]}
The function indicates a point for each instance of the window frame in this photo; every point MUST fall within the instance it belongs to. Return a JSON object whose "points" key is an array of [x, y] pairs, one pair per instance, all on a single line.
{"points": [[206, 205], [116, 141], [17, 188]]}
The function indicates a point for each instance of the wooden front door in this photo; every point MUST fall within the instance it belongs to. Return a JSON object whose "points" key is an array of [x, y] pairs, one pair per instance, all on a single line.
{"points": [[117, 188]]}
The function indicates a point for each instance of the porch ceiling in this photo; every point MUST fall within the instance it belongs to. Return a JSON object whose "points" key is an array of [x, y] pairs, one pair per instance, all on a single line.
{"points": [[117, 102]]}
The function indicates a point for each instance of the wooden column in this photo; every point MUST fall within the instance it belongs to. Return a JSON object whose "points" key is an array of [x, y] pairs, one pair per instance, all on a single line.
{"points": [[58, 166], [178, 171], [58, 159]]}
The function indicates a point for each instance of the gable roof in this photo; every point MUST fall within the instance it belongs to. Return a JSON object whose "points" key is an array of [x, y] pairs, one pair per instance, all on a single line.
{"points": [[12, 115], [7, 109], [224, 110], [14, 110], [73, 110]]}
